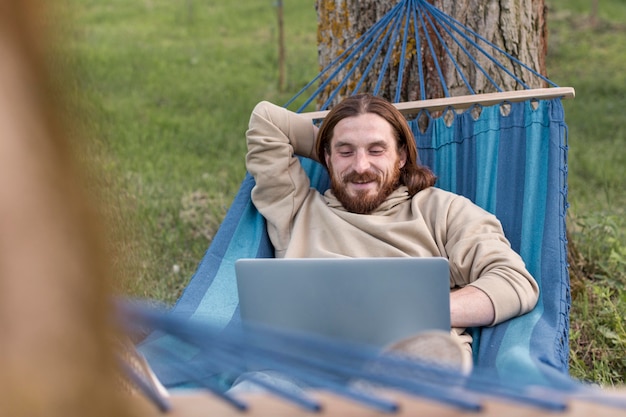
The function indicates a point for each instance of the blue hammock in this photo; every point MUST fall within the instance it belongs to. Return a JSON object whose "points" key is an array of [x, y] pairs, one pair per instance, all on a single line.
{"points": [[513, 166], [511, 160]]}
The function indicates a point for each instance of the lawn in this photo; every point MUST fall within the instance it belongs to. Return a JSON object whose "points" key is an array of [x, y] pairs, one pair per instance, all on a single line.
{"points": [[167, 88], [162, 92], [588, 54]]}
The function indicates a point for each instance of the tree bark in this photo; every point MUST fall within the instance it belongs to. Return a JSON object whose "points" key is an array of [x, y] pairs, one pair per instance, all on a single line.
{"points": [[516, 26]]}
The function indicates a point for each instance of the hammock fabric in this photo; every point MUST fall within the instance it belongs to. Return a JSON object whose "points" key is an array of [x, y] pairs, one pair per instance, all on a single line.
{"points": [[510, 160]]}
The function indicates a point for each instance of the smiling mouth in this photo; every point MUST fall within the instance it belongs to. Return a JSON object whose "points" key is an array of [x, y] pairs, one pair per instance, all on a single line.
{"points": [[363, 185], [361, 179]]}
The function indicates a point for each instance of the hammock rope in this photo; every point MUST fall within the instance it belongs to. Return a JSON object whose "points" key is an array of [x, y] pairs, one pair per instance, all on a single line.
{"points": [[430, 29], [329, 363]]}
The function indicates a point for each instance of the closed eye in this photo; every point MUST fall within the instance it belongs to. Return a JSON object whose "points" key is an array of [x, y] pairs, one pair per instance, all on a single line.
{"points": [[377, 150], [345, 151]]}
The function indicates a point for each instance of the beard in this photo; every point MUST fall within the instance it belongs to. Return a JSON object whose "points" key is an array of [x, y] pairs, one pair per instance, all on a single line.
{"points": [[364, 201]]}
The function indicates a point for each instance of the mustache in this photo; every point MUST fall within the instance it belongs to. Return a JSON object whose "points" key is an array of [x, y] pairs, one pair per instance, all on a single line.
{"points": [[367, 176]]}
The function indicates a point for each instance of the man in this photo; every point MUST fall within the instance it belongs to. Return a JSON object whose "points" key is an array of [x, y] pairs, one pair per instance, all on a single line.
{"points": [[381, 203]]}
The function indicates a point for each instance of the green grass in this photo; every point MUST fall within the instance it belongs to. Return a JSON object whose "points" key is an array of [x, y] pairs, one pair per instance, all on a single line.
{"points": [[589, 56], [591, 60], [171, 85], [165, 90]]}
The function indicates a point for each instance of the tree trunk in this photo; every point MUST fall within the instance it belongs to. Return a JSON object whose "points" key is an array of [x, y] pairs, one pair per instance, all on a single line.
{"points": [[516, 26]]}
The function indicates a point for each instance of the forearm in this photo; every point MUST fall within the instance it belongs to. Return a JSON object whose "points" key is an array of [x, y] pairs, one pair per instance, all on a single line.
{"points": [[470, 307]]}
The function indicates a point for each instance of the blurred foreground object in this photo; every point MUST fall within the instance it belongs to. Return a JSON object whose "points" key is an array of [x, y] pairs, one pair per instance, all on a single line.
{"points": [[56, 354]]}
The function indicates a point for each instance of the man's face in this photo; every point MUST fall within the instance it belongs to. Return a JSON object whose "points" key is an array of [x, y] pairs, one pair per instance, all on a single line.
{"points": [[364, 162]]}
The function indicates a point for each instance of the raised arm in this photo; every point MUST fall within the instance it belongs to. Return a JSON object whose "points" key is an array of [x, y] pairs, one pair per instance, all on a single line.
{"points": [[275, 138]]}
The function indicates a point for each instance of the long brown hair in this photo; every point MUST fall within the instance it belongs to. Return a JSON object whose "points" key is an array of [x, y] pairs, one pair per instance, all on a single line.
{"points": [[415, 176]]}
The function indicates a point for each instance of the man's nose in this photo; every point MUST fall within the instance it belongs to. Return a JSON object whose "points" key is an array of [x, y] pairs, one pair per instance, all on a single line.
{"points": [[361, 162]]}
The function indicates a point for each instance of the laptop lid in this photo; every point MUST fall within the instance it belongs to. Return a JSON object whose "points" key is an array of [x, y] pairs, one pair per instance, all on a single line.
{"points": [[374, 301]]}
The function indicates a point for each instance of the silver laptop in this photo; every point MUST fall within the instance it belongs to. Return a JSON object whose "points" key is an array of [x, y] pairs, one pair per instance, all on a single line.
{"points": [[373, 301]]}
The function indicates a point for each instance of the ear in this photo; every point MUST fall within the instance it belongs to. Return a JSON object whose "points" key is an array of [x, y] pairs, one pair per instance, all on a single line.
{"points": [[327, 157], [402, 156]]}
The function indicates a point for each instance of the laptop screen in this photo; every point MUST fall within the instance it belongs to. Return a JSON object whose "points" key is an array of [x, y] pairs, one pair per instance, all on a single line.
{"points": [[374, 301]]}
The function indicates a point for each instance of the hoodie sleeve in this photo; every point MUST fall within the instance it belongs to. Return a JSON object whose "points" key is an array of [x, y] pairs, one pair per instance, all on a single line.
{"points": [[275, 138], [481, 256]]}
